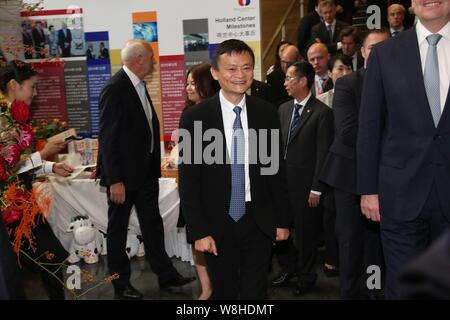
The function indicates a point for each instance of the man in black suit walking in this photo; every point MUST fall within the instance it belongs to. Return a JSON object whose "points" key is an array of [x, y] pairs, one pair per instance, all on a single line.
{"points": [[403, 139], [307, 131], [129, 166], [234, 203], [359, 239]]}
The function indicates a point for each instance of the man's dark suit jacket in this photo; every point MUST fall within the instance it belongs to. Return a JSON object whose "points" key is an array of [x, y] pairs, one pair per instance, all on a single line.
{"points": [[276, 80], [340, 167], [125, 137], [262, 90], [307, 149], [205, 190], [400, 151], [304, 31], [64, 38], [320, 31]]}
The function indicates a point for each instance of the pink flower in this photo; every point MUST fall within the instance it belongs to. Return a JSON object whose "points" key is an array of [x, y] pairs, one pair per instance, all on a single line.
{"points": [[11, 215], [19, 111], [12, 154], [26, 136]]}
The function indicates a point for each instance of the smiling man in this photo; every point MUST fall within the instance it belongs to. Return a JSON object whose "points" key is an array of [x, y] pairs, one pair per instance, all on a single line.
{"points": [[403, 139], [233, 211]]}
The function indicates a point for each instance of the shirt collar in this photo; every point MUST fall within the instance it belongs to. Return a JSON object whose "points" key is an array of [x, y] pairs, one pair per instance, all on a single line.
{"points": [[134, 78], [304, 101], [332, 24], [228, 106], [398, 30], [423, 33]]}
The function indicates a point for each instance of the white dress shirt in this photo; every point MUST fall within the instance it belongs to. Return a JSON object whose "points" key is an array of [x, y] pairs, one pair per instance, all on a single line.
{"points": [[229, 116], [303, 103], [35, 162], [144, 101], [443, 52], [333, 27]]}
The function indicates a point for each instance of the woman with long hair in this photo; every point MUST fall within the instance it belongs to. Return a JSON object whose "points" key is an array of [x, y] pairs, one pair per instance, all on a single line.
{"points": [[18, 81]]}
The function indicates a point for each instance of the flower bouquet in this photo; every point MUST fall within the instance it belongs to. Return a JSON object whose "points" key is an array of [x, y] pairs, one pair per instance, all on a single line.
{"points": [[19, 207]]}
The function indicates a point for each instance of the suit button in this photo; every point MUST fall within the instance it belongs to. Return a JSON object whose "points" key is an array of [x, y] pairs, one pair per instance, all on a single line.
{"points": [[437, 137]]}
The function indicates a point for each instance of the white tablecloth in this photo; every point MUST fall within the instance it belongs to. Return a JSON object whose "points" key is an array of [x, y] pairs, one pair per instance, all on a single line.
{"points": [[87, 197]]}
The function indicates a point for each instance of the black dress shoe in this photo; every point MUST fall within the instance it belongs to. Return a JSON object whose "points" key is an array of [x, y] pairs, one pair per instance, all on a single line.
{"points": [[129, 293], [176, 281], [282, 279], [302, 288]]}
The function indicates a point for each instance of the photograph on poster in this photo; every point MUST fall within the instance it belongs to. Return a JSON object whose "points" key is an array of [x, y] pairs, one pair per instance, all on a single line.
{"points": [[97, 50], [46, 37], [147, 31], [196, 42]]}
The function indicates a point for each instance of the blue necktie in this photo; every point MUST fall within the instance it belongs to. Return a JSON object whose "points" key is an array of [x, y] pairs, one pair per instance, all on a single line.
{"points": [[295, 120], [237, 203], [431, 77]]}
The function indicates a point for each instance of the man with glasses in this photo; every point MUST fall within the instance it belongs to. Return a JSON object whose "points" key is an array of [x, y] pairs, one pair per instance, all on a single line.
{"points": [[307, 133], [276, 79]]}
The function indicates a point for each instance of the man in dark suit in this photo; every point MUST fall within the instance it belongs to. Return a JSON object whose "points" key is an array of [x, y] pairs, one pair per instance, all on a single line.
{"points": [[351, 42], [234, 205], [288, 56], [307, 131], [395, 17], [27, 42], [129, 166], [65, 40], [403, 139], [304, 30], [329, 29], [39, 39], [103, 52], [358, 239]]}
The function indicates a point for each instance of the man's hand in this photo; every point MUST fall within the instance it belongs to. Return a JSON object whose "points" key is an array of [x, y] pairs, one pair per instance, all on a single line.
{"points": [[62, 169], [117, 193], [370, 207], [282, 234], [313, 200], [52, 147], [206, 244]]}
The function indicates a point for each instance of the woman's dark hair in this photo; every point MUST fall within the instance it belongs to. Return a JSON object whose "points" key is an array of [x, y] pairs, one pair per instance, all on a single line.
{"points": [[277, 63], [17, 70], [205, 84]]}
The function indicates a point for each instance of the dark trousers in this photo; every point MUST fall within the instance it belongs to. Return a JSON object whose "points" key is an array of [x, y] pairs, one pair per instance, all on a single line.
{"points": [[300, 259], [359, 246], [145, 200], [240, 269], [10, 284], [404, 240]]}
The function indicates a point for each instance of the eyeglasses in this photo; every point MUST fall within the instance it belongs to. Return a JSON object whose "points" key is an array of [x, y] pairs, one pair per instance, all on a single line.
{"points": [[289, 78]]}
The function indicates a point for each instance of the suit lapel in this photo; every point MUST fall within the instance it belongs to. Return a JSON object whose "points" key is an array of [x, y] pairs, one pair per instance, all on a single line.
{"points": [[446, 112]]}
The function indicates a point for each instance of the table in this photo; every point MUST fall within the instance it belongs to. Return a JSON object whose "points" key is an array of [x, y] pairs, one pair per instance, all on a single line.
{"points": [[86, 197]]}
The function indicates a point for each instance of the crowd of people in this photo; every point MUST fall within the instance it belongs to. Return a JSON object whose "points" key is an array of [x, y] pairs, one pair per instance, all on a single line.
{"points": [[359, 135]]}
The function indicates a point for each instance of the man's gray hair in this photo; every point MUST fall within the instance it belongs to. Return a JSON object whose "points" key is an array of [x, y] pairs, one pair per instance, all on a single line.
{"points": [[132, 50]]}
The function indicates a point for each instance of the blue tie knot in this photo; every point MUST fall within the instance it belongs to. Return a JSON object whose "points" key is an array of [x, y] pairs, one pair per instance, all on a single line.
{"points": [[433, 39], [298, 106], [237, 110]]}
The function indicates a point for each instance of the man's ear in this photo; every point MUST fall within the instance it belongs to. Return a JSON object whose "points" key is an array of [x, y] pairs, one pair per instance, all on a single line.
{"points": [[214, 73]]}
